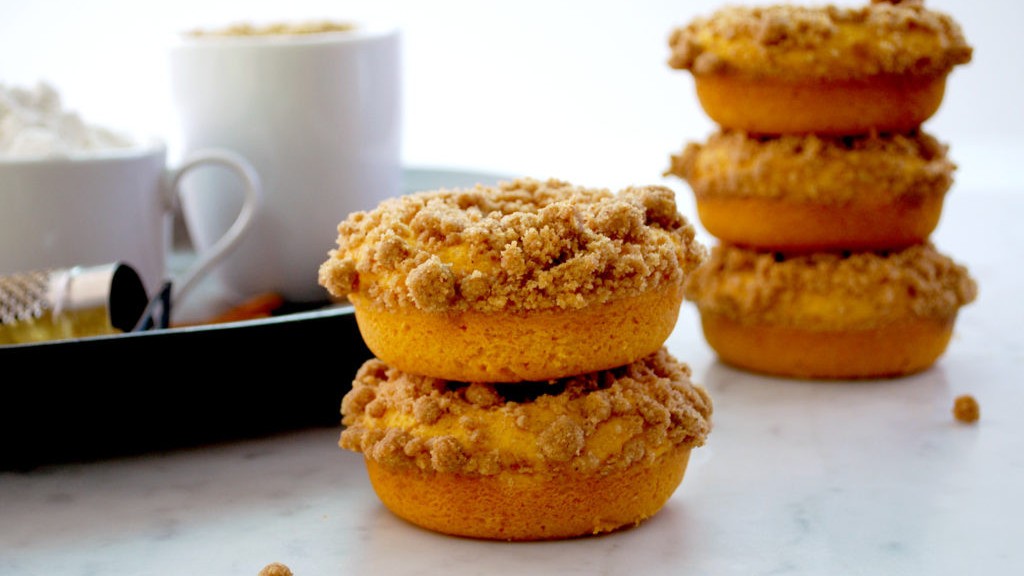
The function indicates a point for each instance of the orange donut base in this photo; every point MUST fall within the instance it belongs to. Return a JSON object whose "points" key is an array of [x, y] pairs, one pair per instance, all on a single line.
{"points": [[897, 349], [828, 107], [511, 506], [801, 226], [509, 347]]}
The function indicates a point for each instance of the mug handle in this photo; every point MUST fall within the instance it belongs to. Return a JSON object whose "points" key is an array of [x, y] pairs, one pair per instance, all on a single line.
{"points": [[234, 234]]}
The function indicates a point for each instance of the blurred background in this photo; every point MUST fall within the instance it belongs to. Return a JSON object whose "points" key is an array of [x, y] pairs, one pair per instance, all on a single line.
{"points": [[572, 89]]}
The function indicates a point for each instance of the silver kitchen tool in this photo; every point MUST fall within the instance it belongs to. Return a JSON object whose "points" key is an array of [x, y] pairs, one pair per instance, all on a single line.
{"points": [[73, 302]]}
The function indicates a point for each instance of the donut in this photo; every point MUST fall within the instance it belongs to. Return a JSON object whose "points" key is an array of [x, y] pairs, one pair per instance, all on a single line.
{"points": [[558, 459], [830, 315], [525, 280], [825, 69], [805, 192]]}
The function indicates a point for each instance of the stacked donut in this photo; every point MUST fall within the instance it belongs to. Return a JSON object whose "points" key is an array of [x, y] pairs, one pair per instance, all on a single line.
{"points": [[821, 186], [520, 388]]}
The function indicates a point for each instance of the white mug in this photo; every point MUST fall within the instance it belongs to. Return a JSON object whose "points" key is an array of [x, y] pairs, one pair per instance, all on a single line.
{"points": [[111, 206], [318, 115]]}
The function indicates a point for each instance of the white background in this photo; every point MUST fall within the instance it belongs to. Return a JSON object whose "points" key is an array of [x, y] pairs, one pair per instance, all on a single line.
{"points": [[571, 89]]}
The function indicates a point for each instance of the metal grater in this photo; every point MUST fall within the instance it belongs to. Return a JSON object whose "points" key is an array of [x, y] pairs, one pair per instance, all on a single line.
{"points": [[69, 303], [24, 297]]}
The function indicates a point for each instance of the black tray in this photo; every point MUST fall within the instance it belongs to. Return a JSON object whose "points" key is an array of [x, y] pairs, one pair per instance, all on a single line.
{"points": [[101, 397], [119, 395]]}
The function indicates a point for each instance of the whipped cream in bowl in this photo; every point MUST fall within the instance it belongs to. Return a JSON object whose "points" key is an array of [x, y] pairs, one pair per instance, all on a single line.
{"points": [[35, 125]]}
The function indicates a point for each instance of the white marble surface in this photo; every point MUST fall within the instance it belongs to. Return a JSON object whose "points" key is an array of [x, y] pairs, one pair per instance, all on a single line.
{"points": [[797, 477]]}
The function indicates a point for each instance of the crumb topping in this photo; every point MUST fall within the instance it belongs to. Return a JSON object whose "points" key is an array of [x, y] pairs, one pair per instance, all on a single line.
{"points": [[831, 290], [241, 29], [596, 422], [826, 41], [522, 245], [816, 168]]}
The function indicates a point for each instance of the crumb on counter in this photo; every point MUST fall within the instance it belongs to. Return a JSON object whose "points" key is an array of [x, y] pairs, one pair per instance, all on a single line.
{"points": [[966, 409], [275, 569]]}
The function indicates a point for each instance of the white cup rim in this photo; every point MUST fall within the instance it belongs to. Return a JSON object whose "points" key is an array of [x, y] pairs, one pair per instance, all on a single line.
{"points": [[138, 149], [361, 32]]}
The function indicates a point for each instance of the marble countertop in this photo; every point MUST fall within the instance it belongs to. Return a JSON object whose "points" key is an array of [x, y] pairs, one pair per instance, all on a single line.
{"points": [[798, 477]]}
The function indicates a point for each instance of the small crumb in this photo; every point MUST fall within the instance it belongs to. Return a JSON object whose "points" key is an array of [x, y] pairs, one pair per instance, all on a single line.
{"points": [[965, 409], [275, 569]]}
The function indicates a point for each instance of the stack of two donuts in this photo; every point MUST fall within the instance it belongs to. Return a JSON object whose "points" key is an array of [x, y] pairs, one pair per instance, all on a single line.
{"points": [[822, 187], [520, 388]]}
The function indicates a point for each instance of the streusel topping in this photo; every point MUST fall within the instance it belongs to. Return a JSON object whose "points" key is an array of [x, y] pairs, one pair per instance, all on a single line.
{"points": [[597, 422], [825, 41], [816, 168], [522, 245], [831, 290]]}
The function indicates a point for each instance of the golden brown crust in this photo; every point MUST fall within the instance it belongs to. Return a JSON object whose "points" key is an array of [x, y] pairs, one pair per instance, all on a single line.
{"points": [[592, 423], [514, 507], [520, 246], [540, 345], [826, 42], [873, 222], [814, 168], [793, 105], [895, 348], [831, 290]]}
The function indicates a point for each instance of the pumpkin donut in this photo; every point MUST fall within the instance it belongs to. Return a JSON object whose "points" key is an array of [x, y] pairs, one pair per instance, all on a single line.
{"points": [[547, 460], [800, 193], [830, 315], [782, 69], [526, 280]]}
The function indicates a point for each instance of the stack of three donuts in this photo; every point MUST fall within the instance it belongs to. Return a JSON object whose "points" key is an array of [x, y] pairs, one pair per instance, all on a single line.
{"points": [[520, 388], [822, 188]]}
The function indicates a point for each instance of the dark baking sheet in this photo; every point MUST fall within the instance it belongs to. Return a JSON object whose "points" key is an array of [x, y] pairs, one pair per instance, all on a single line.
{"points": [[102, 397]]}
